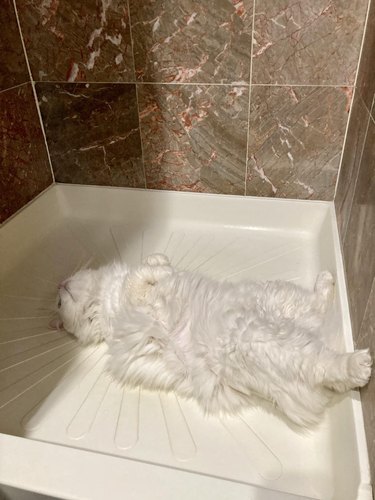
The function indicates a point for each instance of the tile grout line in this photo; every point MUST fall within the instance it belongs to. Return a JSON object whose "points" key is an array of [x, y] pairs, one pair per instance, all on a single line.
{"points": [[356, 180], [344, 143], [136, 96], [249, 104], [366, 25], [372, 111], [34, 91], [353, 97], [368, 305], [230, 84], [329, 85], [14, 87]]}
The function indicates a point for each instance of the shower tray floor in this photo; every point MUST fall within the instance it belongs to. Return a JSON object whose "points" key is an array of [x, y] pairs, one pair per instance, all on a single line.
{"points": [[54, 391]]}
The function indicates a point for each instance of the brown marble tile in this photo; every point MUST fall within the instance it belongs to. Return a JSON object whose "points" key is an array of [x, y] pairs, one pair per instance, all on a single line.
{"points": [[77, 41], [310, 42], [12, 59], [366, 71], [93, 133], [24, 165], [359, 241], [194, 137], [192, 41], [351, 160], [295, 141], [365, 339]]}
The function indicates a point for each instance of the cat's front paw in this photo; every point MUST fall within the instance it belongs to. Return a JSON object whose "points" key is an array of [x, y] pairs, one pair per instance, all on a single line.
{"points": [[157, 259], [142, 283], [324, 283]]}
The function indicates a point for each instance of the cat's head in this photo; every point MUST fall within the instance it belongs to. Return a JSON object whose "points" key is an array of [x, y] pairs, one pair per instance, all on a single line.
{"points": [[78, 306]]}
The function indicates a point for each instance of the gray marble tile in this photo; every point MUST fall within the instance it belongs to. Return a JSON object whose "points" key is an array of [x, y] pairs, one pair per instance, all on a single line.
{"points": [[295, 140], [93, 133], [12, 59], [192, 41], [24, 164], [351, 161], [77, 41], [310, 42], [359, 241], [194, 137], [366, 71]]}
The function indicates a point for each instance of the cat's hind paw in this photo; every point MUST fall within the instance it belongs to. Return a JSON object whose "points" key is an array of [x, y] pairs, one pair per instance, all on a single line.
{"points": [[359, 368]]}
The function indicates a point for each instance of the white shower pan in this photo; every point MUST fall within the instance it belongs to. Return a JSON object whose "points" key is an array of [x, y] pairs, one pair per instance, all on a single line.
{"points": [[69, 431]]}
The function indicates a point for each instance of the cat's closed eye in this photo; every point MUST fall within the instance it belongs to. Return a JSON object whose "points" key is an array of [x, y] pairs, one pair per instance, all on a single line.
{"points": [[59, 303]]}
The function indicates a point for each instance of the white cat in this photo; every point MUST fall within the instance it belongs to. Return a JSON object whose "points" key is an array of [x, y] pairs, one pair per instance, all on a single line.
{"points": [[223, 344]]}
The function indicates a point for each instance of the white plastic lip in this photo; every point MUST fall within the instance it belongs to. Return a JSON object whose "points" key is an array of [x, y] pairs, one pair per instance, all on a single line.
{"points": [[348, 335], [21, 466], [227, 210]]}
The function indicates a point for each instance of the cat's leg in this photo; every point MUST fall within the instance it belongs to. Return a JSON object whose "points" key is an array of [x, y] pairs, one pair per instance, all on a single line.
{"points": [[342, 371], [303, 405], [306, 309], [323, 291]]}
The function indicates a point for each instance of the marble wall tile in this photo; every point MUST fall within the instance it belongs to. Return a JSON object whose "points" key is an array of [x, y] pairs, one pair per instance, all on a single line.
{"points": [[366, 71], [311, 42], [192, 40], [24, 165], [77, 41], [359, 242], [194, 137], [12, 59], [295, 140], [93, 133], [351, 162]]}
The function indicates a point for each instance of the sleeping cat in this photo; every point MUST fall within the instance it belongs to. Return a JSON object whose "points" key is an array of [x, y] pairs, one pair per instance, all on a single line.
{"points": [[222, 344]]}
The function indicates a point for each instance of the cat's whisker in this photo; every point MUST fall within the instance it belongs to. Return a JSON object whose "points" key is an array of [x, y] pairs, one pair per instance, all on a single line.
{"points": [[142, 243], [88, 262], [214, 255], [189, 250], [262, 262], [19, 318], [115, 244], [45, 309], [78, 266], [32, 276], [174, 249], [168, 242], [26, 297]]}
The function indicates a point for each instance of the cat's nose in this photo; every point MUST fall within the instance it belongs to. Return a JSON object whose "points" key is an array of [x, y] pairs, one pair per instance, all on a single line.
{"points": [[63, 285]]}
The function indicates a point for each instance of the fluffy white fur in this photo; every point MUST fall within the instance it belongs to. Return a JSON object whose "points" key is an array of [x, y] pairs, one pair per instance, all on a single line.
{"points": [[222, 344]]}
